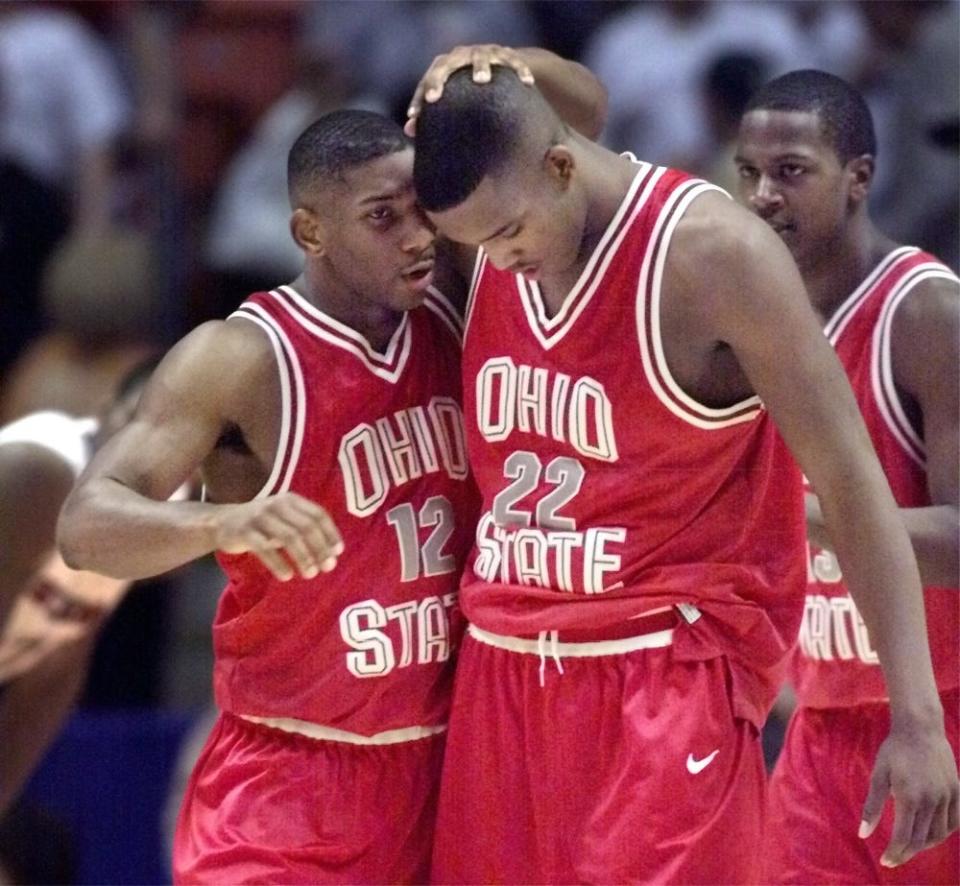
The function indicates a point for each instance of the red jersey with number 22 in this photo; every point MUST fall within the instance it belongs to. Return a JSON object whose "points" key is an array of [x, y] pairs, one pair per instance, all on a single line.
{"points": [[606, 490]]}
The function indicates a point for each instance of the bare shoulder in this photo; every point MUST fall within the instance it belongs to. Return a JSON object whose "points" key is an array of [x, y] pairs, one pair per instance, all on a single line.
{"points": [[215, 363], [724, 263], [933, 306], [717, 232], [925, 336]]}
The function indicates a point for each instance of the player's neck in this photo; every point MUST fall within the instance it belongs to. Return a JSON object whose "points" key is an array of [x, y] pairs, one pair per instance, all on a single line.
{"points": [[608, 179], [837, 271], [375, 322]]}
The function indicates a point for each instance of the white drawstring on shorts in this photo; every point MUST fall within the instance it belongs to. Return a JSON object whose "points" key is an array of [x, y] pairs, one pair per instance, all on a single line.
{"points": [[554, 652]]}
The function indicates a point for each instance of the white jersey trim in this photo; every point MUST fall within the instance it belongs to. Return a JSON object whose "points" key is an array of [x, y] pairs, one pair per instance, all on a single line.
{"points": [[881, 362], [478, 267], [293, 399], [845, 313], [652, 353], [550, 330], [655, 640], [437, 303], [388, 366], [319, 732]]}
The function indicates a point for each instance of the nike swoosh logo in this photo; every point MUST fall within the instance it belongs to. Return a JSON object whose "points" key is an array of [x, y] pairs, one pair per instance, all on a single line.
{"points": [[696, 766]]}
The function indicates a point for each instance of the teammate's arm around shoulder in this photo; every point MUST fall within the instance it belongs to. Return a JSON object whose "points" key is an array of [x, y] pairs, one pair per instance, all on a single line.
{"points": [[925, 353], [756, 303], [118, 520]]}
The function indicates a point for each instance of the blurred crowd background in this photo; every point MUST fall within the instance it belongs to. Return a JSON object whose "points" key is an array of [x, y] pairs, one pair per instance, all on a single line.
{"points": [[142, 191]]}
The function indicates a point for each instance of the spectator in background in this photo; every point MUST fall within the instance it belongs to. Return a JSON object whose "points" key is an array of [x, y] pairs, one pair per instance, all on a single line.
{"points": [[397, 39], [729, 82], [97, 294], [909, 76], [62, 106], [653, 58], [249, 246], [49, 614]]}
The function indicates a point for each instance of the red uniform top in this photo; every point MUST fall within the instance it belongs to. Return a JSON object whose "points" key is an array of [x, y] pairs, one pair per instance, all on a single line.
{"points": [[835, 665], [377, 440], [606, 490]]}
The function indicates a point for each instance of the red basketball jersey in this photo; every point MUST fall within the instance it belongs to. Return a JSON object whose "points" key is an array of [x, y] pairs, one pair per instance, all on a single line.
{"points": [[606, 490], [377, 439], [835, 665]]}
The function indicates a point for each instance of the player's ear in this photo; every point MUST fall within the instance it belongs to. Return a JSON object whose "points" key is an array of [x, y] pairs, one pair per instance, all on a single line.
{"points": [[860, 171], [309, 231], [559, 164]]}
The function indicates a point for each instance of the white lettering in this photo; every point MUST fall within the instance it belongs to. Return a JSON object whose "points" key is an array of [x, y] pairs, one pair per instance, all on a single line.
{"points": [[406, 442], [529, 399], [382, 639]]}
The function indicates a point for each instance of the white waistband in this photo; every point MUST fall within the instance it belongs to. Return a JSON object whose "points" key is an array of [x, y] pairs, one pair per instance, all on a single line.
{"points": [[328, 733], [573, 650]]}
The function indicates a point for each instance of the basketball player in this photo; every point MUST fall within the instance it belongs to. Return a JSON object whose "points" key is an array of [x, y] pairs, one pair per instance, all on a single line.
{"points": [[326, 418], [806, 158], [49, 614], [637, 577]]}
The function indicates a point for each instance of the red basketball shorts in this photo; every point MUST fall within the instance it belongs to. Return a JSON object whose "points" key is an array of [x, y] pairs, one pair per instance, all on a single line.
{"points": [[627, 766], [265, 806], [816, 802]]}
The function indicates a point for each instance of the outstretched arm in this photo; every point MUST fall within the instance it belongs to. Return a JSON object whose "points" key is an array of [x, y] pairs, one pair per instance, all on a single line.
{"points": [[756, 304], [118, 521]]}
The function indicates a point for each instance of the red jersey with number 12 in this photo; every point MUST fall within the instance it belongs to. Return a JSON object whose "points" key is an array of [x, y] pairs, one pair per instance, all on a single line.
{"points": [[835, 665], [377, 439], [606, 490]]}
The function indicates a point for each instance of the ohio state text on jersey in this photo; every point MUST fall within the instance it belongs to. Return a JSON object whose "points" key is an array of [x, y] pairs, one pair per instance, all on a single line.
{"points": [[607, 490], [835, 665], [377, 439]]}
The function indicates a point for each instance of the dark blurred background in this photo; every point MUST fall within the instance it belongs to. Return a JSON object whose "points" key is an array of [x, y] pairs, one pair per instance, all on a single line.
{"points": [[142, 191]]}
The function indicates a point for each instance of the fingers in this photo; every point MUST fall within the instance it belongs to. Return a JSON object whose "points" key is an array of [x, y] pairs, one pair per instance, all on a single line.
{"points": [[925, 826], [480, 58], [287, 533], [905, 817], [876, 798], [275, 562]]}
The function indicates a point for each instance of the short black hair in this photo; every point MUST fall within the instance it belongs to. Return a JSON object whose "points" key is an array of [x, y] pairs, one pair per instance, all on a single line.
{"points": [[339, 141], [844, 115], [469, 133]]}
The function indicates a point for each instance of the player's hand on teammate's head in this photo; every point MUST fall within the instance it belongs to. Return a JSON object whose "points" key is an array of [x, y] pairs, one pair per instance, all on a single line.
{"points": [[288, 533], [480, 57], [919, 771]]}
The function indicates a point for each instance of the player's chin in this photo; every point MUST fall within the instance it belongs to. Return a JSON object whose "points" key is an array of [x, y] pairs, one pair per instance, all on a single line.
{"points": [[411, 291]]}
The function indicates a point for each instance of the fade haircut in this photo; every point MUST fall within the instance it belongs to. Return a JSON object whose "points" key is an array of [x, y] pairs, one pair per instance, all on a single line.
{"points": [[843, 112], [337, 142], [471, 132]]}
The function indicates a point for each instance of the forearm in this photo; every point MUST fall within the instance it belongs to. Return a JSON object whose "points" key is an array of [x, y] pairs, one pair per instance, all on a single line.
{"points": [[880, 571], [934, 533], [108, 528], [32, 710], [574, 92]]}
